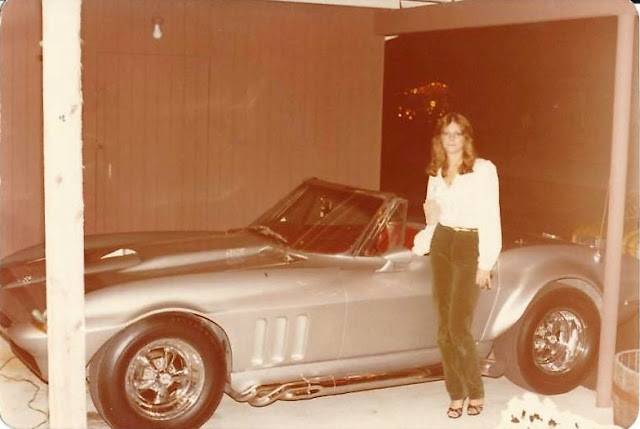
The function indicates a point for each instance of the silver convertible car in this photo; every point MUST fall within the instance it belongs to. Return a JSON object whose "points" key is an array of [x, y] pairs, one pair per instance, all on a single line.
{"points": [[321, 295]]}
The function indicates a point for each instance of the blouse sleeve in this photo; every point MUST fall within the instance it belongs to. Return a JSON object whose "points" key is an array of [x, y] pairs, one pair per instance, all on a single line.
{"points": [[431, 188], [489, 230], [422, 240]]}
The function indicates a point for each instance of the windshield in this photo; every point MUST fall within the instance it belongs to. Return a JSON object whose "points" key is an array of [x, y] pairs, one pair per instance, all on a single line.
{"points": [[320, 219]]}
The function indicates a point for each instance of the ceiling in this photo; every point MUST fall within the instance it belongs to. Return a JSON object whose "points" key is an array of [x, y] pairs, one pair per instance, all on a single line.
{"points": [[386, 4]]}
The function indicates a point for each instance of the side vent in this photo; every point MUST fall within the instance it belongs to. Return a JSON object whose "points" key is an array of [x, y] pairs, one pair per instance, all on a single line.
{"points": [[300, 338], [258, 342], [279, 341]]}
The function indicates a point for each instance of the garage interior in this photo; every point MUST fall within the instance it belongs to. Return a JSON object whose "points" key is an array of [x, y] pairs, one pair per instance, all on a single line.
{"points": [[204, 128], [201, 114], [172, 126], [237, 102]]}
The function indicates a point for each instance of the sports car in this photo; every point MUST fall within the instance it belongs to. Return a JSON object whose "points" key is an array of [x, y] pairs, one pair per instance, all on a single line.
{"points": [[320, 295]]}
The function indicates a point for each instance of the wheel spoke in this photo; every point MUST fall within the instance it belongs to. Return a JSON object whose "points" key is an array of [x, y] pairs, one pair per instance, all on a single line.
{"points": [[161, 395], [145, 384], [169, 355], [149, 374], [144, 361], [538, 344], [171, 359], [159, 363], [165, 378], [183, 371], [181, 379], [558, 341]]}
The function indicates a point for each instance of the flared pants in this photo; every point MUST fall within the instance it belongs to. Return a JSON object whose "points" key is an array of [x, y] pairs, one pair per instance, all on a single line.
{"points": [[454, 259]]}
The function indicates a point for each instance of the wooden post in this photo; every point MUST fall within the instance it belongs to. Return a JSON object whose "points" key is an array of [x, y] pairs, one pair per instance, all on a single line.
{"points": [[64, 212], [615, 218]]}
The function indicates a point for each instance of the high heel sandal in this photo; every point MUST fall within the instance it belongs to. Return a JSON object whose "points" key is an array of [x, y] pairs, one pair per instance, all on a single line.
{"points": [[474, 409], [455, 413]]}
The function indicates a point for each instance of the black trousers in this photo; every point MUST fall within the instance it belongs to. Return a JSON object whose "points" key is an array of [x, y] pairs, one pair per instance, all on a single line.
{"points": [[454, 259]]}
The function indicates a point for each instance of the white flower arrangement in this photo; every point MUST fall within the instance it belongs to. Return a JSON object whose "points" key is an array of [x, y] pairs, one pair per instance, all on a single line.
{"points": [[529, 412]]}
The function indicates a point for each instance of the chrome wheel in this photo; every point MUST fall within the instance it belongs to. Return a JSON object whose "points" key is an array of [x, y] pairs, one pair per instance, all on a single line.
{"points": [[560, 342], [165, 378]]}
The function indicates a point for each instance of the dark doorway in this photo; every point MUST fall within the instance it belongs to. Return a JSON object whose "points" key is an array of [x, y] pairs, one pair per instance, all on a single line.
{"points": [[540, 98]]}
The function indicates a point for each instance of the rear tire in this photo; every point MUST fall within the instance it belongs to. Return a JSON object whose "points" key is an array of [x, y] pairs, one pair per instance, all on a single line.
{"points": [[554, 344], [166, 371]]}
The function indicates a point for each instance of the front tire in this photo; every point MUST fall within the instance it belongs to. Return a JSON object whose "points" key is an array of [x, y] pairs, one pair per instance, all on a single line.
{"points": [[166, 371], [554, 343]]}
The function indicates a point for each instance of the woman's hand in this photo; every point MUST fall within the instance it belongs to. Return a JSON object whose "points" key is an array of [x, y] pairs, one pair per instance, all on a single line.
{"points": [[483, 279], [431, 212]]}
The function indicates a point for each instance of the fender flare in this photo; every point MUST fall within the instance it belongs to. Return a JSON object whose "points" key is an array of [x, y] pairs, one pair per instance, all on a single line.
{"points": [[512, 303], [215, 328]]}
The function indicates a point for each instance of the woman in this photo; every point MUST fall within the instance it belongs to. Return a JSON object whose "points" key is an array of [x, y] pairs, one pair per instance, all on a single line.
{"points": [[463, 215]]}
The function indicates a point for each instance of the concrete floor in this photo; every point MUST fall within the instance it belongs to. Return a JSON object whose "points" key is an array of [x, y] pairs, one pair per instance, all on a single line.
{"points": [[23, 404]]}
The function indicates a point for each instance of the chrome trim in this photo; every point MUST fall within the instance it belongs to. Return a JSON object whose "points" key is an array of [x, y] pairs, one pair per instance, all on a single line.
{"points": [[559, 342], [165, 379], [307, 388], [260, 396]]}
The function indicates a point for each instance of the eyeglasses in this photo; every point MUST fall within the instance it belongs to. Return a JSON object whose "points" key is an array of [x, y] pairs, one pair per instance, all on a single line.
{"points": [[452, 135]]}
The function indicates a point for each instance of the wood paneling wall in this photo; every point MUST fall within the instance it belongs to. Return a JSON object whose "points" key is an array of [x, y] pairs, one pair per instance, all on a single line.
{"points": [[234, 105], [209, 125], [21, 169]]}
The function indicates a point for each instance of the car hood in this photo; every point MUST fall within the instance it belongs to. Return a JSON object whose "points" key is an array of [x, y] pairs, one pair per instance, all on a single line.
{"points": [[118, 258]]}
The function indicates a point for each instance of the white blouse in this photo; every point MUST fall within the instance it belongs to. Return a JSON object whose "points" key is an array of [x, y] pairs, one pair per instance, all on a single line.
{"points": [[471, 201]]}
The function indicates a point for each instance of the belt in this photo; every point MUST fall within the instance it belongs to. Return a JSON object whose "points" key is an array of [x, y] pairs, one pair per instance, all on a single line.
{"points": [[459, 229]]}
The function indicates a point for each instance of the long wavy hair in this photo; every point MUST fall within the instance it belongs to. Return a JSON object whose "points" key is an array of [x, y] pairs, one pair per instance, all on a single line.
{"points": [[439, 159]]}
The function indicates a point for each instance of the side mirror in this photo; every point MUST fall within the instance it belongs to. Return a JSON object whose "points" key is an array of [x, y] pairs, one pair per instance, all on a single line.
{"points": [[395, 258]]}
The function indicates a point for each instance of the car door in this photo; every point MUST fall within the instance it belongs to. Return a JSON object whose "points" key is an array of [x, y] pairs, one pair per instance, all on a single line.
{"points": [[390, 311]]}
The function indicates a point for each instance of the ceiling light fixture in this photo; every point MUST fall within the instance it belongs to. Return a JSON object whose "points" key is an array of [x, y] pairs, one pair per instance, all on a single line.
{"points": [[157, 27]]}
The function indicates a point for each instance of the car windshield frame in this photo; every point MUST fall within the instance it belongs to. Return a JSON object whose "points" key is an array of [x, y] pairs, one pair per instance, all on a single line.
{"points": [[342, 213]]}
